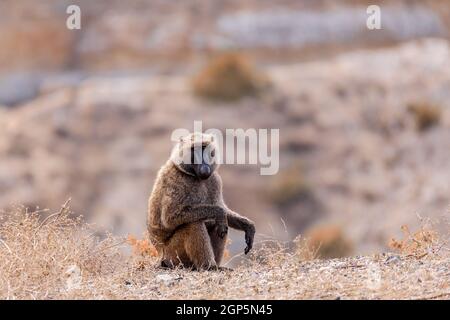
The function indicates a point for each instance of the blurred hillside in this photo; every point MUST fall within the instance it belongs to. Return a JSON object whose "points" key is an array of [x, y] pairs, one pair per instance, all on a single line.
{"points": [[88, 114], [344, 121], [172, 37]]}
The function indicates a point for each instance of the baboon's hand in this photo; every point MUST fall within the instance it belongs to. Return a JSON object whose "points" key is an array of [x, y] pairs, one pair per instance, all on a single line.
{"points": [[222, 224], [222, 230], [249, 236]]}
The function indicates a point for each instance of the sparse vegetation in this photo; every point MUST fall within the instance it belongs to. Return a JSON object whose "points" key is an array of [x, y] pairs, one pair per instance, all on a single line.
{"points": [[304, 250], [418, 244], [59, 257], [426, 115], [228, 77], [40, 258], [142, 247]]}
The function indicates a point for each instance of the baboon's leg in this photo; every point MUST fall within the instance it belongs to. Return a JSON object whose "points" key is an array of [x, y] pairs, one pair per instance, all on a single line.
{"points": [[174, 253], [217, 243], [198, 247], [190, 246]]}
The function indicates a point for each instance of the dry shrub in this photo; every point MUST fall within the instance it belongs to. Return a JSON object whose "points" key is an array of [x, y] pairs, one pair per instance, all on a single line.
{"points": [[274, 253], [418, 244], [328, 242], [426, 115], [289, 186], [143, 248], [44, 258], [226, 252], [143, 252], [228, 77], [270, 253]]}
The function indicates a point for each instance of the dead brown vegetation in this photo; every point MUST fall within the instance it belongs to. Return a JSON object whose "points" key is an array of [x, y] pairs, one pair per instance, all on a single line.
{"points": [[419, 243], [228, 77], [426, 115]]}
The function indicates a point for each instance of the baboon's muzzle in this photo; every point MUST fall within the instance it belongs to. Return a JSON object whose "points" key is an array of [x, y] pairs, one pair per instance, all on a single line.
{"points": [[203, 171]]}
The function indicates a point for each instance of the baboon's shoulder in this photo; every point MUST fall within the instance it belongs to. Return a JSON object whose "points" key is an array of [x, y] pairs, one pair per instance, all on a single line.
{"points": [[172, 182]]}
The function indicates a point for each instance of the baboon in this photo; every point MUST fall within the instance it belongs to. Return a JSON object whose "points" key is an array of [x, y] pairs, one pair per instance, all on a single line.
{"points": [[187, 217]]}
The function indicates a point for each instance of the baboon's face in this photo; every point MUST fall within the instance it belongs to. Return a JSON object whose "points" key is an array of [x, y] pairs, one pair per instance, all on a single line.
{"points": [[198, 155]]}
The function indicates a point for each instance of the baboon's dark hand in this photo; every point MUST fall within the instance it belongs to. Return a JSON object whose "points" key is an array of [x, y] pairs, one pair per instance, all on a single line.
{"points": [[249, 236], [222, 230]]}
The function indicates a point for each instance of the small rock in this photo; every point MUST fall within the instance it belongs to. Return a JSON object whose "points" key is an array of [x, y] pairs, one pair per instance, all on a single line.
{"points": [[167, 279], [74, 278], [392, 260]]}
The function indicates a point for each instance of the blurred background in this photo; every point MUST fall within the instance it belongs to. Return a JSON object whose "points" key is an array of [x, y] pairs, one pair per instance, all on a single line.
{"points": [[364, 115]]}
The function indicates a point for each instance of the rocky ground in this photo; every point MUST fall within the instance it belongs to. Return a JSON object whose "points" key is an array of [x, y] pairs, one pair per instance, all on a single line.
{"points": [[370, 277]]}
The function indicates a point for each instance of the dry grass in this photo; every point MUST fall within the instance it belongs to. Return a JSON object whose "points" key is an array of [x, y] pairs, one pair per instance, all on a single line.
{"points": [[42, 258], [228, 77], [418, 244], [60, 258]]}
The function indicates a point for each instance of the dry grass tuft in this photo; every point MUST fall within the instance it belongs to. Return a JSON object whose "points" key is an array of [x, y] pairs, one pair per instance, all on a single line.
{"points": [[143, 252], [228, 77], [426, 115], [417, 244], [304, 249], [39, 257], [226, 252], [142, 247]]}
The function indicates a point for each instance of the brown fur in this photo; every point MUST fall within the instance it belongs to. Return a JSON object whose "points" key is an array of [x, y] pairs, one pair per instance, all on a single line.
{"points": [[188, 219]]}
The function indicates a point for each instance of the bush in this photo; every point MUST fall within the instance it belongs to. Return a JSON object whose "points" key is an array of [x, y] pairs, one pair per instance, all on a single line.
{"points": [[417, 244], [228, 77], [329, 242], [425, 115], [289, 186]]}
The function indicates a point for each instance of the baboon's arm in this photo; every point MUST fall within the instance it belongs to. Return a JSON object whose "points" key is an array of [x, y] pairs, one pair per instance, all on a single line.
{"points": [[236, 221], [174, 217]]}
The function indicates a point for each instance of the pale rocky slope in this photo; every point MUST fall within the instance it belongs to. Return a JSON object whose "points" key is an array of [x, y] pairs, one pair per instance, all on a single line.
{"points": [[344, 120]]}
